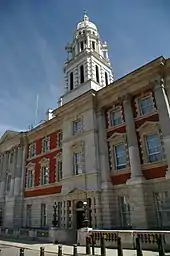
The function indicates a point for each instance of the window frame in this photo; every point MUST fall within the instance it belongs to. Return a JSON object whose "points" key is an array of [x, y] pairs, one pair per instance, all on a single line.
{"points": [[116, 139], [116, 157], [46, 144], [32, 150], [59, 139], [145, 129], [111, 112], [77, 165], [43, 215], [78, 149], [32, 178], [76, 121], [143, 96], [155, 153], [28, 215], [124, 211], [44, 169]]}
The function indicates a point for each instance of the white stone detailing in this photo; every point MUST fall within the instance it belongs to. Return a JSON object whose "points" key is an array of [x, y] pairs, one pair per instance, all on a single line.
{"points": [[2, 189], [11, 192], [17, 186]]}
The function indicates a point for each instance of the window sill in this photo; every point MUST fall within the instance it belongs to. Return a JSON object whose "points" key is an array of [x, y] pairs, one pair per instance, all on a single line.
{"points": [[120, 171], [146, 166], [140, 117], [111, 128]]}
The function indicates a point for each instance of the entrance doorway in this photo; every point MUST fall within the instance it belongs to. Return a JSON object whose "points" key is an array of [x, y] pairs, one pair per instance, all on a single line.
{"points": [[79, 214]]}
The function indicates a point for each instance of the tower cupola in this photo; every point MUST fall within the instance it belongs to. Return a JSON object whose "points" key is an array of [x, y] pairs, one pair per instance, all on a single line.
{"points": [[87, 65]]}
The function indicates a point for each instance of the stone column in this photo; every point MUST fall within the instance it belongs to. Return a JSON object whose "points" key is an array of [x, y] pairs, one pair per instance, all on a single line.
{"points": [[17, 185], [133, 147], [23, 170], [135, 183], [11, 192], [105, 182], [163, 107], [3, 175]]}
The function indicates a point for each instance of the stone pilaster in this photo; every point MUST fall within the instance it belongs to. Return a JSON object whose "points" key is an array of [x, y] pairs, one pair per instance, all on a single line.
{"points": [[11, 192], [105, 183], [18, 172], [135, 164], [163, 107], [23, 170], [3, 175]]}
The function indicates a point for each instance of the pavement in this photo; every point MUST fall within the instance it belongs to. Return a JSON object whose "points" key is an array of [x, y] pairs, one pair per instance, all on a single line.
{"points": [[12, 251], [11, 248]]}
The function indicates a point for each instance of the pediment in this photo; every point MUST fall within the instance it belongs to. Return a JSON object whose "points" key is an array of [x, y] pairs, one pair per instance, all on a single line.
{"points": [[44, 161], [76, 190], [147, 125], [116, 135], [7, 136], [30, 166], [58, 155]]}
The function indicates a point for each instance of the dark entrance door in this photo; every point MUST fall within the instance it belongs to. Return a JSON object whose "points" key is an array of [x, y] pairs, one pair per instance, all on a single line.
{"points": [[79, 214]]}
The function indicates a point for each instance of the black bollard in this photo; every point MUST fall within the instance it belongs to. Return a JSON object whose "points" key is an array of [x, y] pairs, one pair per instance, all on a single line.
{"points": [[42, 251], [74, 249], [119, 247], [21, 252], [102, 246], [92, 244], [87, 245], [60, 250], [138, 247], [161, 248]]}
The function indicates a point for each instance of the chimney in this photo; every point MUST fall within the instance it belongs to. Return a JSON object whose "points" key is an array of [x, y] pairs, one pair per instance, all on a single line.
{"points": [[49, 114]]}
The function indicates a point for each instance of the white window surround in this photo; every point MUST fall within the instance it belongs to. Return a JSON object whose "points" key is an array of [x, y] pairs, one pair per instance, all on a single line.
{"points": [[30, 170], [147, 109], [46, 144], [113, 141], [120, 155], [8, 181], [162, 208], [45, 171], [43, 215], [32, 150], [153, 147], [115, 117], [59, 139], [58, 171], [149, 128], [125, 211], [77, 125], [78, 158]]}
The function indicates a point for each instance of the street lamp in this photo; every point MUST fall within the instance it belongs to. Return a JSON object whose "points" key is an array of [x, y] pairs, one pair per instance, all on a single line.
{"points": [[55, 217], [86, 220]]}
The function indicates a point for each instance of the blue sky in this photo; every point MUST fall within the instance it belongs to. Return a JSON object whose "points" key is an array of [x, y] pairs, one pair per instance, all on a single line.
{"points": [[33, 34]]}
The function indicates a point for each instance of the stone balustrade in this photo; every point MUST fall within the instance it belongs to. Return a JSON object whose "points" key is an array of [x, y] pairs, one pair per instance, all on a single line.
{"points": [[148, 238], [128, 237]]}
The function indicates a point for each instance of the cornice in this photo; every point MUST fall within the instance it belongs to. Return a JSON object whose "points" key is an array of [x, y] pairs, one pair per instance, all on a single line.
{"points": [[132, 83]]}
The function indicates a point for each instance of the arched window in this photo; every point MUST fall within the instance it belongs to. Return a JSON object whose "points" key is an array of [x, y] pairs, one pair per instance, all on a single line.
{"points": [[97, 74], [71, 81], [81, 74], [106, 78], [81, 46], [93, 45]]}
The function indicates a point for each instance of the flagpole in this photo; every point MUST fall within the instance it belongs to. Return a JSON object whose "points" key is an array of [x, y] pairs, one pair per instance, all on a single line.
{"points": [[36, 110]]}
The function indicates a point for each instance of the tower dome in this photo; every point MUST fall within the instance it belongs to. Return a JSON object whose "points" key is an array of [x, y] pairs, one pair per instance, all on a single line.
{"points": [[87, 65], [86, 23]]}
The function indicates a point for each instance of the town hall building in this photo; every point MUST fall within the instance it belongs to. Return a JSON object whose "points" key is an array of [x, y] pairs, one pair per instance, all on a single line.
{"points": [[106, 145]]}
